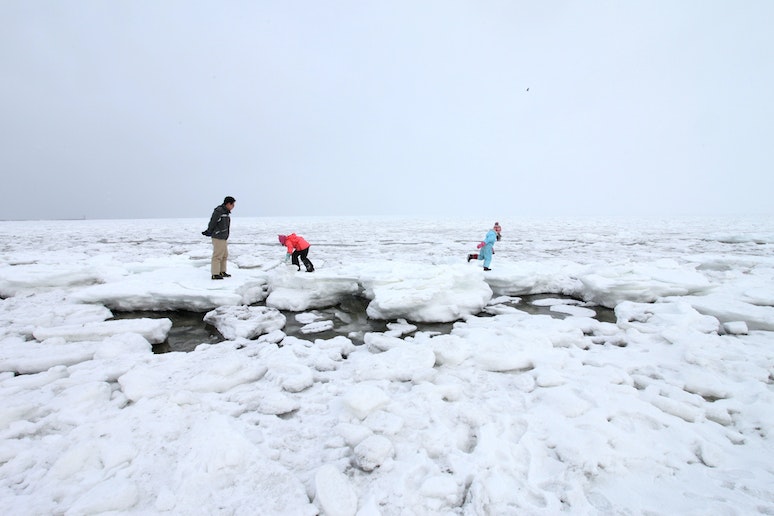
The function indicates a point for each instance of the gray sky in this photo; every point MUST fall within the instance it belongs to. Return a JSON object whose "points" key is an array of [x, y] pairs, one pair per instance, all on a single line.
{"points": [[124, 109]]}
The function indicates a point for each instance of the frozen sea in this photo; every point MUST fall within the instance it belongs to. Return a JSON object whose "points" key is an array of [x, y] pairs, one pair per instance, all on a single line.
{"points": [[604, 366]]}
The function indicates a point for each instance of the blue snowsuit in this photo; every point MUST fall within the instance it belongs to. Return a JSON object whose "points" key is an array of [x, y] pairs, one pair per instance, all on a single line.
{"points": [[486, 252]]}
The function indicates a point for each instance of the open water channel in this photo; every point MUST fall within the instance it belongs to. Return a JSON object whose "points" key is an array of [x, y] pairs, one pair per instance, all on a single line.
{"points": [[349, 318]]}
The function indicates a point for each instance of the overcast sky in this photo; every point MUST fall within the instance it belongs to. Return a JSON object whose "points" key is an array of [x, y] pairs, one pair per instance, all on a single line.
{"points": [[133, 109]]}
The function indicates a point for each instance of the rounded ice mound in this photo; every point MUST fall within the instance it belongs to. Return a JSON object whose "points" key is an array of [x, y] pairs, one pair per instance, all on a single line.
{"points": [[365, 399], [334, 492], [426, 293], [299, 292], [248, 322], [612, 285], [372, 452]]}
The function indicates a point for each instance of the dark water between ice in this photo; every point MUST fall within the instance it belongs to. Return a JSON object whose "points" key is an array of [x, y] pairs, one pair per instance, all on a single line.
{"points": [[349, 318]]}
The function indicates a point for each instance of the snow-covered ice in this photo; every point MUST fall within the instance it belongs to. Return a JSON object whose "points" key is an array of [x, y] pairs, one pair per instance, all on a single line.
{"points": [[665, 408]]}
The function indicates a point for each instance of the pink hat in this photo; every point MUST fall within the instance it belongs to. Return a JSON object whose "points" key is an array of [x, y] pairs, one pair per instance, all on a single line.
{"points": [[282, 239]]}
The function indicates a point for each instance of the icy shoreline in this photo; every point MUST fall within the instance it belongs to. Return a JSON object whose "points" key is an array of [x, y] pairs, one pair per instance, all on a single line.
{"points": [[666, 410]]}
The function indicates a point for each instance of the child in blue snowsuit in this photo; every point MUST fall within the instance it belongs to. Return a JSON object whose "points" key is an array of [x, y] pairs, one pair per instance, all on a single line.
{"points": [[487, 247]]}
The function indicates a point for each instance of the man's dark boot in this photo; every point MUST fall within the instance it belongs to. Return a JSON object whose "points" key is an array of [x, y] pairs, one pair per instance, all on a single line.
{"points": [[217, 276]]}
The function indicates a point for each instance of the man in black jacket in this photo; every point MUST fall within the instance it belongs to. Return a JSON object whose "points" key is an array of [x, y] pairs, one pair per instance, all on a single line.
{"points": [[218, 229]]}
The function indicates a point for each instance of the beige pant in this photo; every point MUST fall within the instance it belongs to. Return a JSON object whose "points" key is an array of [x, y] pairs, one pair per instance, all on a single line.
{"points": [[219, 255]]}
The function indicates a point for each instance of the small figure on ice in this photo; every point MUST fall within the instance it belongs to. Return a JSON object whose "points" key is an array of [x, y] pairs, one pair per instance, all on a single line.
{"points": [[297, 248], [487, 246]]}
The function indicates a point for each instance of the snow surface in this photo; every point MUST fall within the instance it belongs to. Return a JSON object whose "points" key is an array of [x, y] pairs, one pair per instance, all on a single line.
{"points": [[667, 410]]}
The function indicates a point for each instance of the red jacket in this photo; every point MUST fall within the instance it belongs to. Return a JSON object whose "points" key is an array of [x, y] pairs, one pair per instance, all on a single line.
{"points": [[295, 243]]}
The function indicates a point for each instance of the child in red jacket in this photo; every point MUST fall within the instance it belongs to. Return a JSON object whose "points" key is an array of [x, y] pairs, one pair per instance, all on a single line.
{"points": [[297, 248]]}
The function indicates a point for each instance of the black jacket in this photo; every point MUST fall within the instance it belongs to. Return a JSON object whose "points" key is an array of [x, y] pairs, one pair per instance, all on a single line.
{"points": [[220, 222]]}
